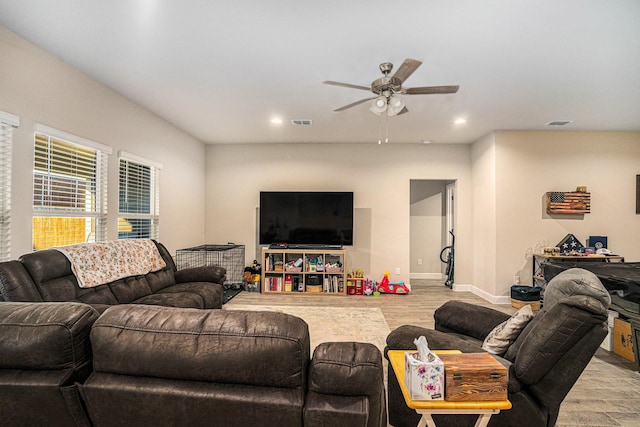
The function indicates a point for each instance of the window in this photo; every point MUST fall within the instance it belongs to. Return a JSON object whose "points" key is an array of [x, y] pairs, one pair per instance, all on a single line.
{"points": [[138, 201], [7, 123], [69, 189]]}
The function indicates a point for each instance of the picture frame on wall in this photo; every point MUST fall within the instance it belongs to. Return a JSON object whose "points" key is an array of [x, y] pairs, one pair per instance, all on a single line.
{"points": [[637, 194]]}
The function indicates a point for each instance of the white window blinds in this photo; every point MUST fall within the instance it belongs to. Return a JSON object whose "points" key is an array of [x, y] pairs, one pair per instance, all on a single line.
{"points": [[69, 189], [139, 198], [7, 123]]}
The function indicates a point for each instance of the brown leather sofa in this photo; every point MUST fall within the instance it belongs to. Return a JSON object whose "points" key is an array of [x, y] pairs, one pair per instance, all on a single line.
{"points": [[44, 351], [543, 363], [61, 365], [46, 276]]}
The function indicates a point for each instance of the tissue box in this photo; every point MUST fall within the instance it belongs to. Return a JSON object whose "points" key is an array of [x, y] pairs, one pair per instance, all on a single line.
{"points": [[424, 380]]}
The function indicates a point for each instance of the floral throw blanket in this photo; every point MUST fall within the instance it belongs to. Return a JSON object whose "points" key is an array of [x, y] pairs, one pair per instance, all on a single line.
{"points": [[98, 263]]}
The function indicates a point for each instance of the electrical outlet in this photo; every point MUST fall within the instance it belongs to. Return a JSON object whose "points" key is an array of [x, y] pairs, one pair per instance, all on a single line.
{"points": [[397, 270], [419, 261]]}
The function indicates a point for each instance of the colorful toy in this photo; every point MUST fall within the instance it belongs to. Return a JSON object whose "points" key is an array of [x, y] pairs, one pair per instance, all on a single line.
{"points": [[387, 287], [368, 287]]}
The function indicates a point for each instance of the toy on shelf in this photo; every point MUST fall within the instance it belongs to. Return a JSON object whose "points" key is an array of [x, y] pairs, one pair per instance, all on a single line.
{"points": [[356, 273], [387, 287]]}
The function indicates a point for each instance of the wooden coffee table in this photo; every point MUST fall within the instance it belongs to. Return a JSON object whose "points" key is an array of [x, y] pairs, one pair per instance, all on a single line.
{"points": [[426, 408]]}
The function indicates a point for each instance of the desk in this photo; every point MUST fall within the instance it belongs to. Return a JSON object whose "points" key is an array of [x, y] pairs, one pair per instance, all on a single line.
{"points": [[538, 259], [426, 408]]}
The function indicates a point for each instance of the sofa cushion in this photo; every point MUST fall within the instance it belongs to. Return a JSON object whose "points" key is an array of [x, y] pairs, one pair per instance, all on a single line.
{"points": [[16, 284], [233, 347], [505, 334], [172, 299], [160, 279], [130, 289], [45, 335], [211, 293], [51, 272]]}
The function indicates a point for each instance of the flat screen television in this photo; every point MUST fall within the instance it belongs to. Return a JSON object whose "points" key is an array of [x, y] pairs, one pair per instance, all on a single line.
{"points": [[306, 218]]}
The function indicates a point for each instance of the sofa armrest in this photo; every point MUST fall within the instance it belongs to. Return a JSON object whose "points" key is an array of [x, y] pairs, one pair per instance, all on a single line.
{"points": [[467, 319], [45, 336], [350, 369], [213, 274]]}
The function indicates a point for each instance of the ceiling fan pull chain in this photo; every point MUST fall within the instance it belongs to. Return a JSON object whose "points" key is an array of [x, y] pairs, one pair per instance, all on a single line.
{"points": [[386, 129]]}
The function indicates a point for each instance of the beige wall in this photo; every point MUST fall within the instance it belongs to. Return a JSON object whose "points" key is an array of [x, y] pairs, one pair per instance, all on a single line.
{"points": [[40, 88], [528, 164], [483, 171], [379, 176], [500, 180]]}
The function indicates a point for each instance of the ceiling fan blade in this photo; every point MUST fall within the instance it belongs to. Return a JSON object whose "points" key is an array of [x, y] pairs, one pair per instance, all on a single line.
{"points": [[328, 82], [406, 69], [354, 104], [430, 90]]}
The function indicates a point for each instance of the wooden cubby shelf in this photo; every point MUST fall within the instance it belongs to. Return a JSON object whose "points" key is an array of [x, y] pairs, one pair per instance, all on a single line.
{"points": [[304, 271]]}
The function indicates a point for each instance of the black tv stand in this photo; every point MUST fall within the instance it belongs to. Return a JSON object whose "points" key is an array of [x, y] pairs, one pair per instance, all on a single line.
{"points": [[279, 246], [306, 246]]}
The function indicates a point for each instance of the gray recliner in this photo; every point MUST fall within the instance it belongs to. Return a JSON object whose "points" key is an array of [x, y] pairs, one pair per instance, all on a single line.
{"points": [[543, 363]]}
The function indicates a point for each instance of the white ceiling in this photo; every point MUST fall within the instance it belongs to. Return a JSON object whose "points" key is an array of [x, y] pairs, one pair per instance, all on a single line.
{"points": [[221, 69]]}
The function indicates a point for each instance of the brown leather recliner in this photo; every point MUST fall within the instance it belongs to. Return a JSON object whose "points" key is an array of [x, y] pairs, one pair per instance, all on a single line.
{"points": [[543, 363]]}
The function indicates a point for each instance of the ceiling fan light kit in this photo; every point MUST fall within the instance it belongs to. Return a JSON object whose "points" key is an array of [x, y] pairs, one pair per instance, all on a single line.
{"points": [[379, 105], [385, 88], [396, 106]]}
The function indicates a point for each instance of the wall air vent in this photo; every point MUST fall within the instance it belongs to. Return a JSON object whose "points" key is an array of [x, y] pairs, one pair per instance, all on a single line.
{"points": [[558, 123], [302, 122]]}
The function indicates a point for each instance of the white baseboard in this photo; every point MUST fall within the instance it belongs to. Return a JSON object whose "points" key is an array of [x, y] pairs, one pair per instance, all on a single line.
{"points": [[493, 299], [433, 276]]}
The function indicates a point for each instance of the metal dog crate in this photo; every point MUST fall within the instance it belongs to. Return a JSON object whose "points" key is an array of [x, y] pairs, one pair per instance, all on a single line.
{"points": [[230, 257]]}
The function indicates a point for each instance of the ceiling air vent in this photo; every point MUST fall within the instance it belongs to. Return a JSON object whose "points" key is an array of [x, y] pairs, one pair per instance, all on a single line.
{"points": [[302, 122], [558, 123]]}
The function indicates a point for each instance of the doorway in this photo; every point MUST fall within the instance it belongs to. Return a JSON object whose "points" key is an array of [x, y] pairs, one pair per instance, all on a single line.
{"points": [[432, 211]]}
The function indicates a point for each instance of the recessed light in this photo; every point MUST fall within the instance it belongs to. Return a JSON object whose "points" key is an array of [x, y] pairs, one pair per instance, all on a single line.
{"points": [[460, 121], [276, 121], [426, 141]]}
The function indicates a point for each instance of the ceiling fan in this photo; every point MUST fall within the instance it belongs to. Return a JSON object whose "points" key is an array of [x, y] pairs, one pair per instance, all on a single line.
{"points": [[385, 88]]}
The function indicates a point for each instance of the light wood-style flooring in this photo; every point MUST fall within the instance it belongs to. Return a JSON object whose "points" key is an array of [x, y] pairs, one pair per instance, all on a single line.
{"points": [[607, 393]]}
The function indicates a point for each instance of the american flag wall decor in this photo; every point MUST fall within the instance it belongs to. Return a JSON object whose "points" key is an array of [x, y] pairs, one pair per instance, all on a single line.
{"points": [[572, 202]]}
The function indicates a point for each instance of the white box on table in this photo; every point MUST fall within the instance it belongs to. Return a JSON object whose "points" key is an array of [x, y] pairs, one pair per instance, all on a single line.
{"points": [[607, 344], [424, 380]]}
